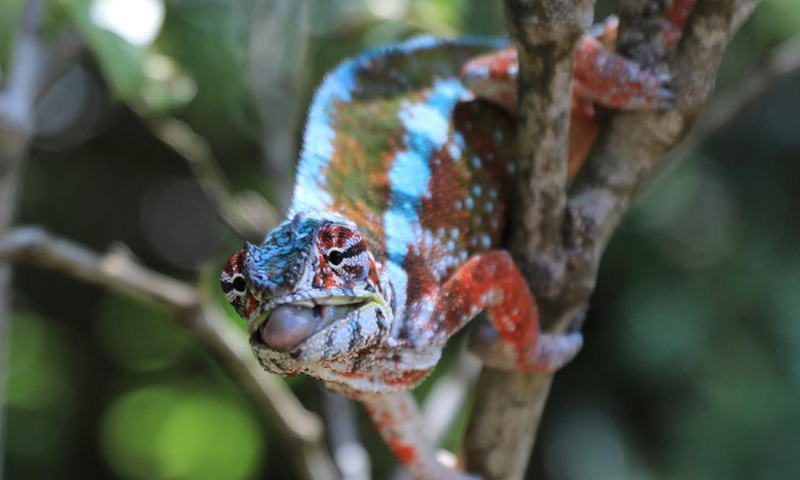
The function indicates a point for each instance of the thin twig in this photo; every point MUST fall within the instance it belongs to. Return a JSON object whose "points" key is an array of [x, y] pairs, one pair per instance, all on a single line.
{"points": [[250, 215], [17, 100], [500, 433], [341, 425], [300, 429], [781, 62]]}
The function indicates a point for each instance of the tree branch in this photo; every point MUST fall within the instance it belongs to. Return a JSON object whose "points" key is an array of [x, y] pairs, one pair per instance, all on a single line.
{"points": [[781, 62], [249, 214], [300, 429], [508, 405], [342, 428], [546, 35]]}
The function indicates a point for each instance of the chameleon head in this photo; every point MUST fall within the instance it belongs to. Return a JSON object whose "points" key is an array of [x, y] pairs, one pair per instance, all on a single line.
{"points": [[311, 295]]}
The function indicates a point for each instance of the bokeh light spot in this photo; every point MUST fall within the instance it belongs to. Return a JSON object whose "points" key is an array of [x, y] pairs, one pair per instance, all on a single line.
{"points": [[135, 21], [180, 433]]}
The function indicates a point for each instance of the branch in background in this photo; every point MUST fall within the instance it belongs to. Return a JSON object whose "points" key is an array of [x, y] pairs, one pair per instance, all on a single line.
{"points": [[300, 429], [349, 453], [781, 62], [249, 214], [508, 406], [17, 100], [448, 395], [445, 401], [276, 77]]}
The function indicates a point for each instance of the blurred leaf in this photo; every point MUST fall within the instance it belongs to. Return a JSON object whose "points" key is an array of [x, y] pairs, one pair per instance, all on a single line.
{"points": [[38, 376], [39, 396], [173, 432], [120, 34]]}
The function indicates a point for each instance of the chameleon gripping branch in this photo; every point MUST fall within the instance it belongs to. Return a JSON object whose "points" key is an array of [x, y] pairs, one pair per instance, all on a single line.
{"points": [[628, 149]]}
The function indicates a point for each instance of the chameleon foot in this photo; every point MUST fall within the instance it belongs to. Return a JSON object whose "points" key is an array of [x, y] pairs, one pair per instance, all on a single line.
{"points": [[551, 352]]}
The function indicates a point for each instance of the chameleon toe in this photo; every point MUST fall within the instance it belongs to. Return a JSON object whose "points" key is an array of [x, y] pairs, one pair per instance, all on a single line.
{"points": [[288, 326]]}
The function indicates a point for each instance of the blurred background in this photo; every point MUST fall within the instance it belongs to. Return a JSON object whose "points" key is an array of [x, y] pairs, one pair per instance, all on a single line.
{"points": [[691, 369]]}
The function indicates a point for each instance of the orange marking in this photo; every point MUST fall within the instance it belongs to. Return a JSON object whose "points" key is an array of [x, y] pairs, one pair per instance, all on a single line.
{"points": [[405, 453]]}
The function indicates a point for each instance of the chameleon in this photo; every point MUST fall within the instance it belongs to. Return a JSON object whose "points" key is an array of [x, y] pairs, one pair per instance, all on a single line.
{"points": [[393, 241]]}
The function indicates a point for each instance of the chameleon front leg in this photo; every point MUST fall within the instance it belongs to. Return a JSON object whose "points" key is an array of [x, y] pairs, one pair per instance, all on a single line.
{"points": [[400, 423], [492, 282], [599, 77]]}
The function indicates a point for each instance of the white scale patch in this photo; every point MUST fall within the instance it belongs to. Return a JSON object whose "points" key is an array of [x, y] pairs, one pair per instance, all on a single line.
{"points": [[399, 280]]}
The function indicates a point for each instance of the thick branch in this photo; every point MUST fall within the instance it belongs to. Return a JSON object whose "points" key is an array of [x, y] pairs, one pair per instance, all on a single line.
{"points": [[546, 34], [501, 430], [301, 430], [633, 144]]}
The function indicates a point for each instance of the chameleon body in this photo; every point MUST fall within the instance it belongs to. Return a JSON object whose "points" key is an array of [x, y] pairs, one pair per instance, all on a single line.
{"points": [[393, 240]]}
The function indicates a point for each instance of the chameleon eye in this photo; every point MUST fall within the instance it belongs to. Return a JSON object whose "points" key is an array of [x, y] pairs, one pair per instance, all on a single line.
{"points": [[239, 284], [335, 257]]}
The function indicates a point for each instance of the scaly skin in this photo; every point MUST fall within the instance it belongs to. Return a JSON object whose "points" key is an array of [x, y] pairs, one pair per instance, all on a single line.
{"points": [[393, 241]]}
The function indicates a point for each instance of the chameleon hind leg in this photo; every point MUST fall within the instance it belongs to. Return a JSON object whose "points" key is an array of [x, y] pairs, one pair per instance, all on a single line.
{"points": [[492, 282]]}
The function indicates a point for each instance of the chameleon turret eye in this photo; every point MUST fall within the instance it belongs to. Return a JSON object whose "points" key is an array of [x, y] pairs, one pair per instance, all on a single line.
{"points": [[335, 257], [239, 284]]}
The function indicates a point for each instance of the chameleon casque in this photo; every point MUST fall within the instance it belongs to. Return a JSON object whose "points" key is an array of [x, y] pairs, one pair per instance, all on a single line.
{"points": [[392, 243]]}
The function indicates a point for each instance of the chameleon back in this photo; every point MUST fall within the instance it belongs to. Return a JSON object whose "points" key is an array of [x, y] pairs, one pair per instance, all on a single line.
{"points": [[395, 143]]}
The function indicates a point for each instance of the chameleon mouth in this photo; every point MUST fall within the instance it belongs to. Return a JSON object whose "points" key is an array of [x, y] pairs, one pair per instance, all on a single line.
{"points": [[289, 324]]}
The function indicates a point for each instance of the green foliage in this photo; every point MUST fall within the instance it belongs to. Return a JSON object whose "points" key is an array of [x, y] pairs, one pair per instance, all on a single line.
{"points": [[180, 432], [39, 392], [124, 48]]}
